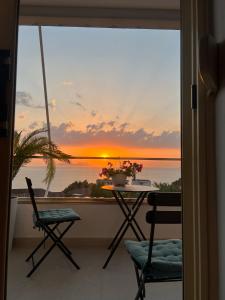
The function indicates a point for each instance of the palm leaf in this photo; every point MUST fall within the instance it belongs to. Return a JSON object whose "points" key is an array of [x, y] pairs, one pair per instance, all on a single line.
{"points": [[35, 144]]}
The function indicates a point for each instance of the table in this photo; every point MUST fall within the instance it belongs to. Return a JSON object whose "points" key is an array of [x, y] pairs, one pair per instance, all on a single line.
{"points": [[129, 213]]}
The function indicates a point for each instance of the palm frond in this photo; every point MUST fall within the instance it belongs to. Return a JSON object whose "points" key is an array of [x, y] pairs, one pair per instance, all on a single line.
{"points": [[50, 172], [34, 144], [33, 134]]}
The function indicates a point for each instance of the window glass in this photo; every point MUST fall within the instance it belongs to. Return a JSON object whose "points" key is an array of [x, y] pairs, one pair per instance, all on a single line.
{"points": [[111, 93]]}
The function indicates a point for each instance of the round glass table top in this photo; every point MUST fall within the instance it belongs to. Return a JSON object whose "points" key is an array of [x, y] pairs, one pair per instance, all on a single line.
{"points": [[130, 188]]}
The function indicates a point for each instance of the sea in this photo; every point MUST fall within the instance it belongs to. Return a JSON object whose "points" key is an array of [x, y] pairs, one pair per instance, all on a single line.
{"points": [[65, 175]]}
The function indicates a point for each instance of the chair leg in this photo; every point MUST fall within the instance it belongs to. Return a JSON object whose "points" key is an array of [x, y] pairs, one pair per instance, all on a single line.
{"points": [[140, 291], [40, 261], [40, 244], [142, 295], [60, 242], [56, 242], [144, 292]]}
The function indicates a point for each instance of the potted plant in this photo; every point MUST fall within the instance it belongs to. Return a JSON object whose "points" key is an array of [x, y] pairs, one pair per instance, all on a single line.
{"points": [[25, 147], [119, 175]]}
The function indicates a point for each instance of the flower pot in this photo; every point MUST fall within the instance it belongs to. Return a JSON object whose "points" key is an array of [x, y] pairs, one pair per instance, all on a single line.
{"points": [[12, 221], [119, 179]]}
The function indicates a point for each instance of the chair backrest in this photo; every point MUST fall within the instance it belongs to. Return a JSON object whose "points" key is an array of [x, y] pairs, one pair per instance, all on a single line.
{"points": [[157, 216], [32, 198]]}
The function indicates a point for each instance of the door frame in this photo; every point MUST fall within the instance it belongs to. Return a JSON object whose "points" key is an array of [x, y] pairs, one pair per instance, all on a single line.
{"points": [[187, 163], [198, 167], [8, 41]]}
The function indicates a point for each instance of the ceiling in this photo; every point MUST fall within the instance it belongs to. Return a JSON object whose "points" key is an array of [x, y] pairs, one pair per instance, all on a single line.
{"points": [[101, 13]]}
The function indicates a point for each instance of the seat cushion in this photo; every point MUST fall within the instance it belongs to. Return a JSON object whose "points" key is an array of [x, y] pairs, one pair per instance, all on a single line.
{"points": [[166, 258], [52, 216]]}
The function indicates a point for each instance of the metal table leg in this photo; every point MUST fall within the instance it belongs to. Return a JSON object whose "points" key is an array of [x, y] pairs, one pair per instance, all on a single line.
{"points": [[130, 220], [135, 207], [140, 235]]}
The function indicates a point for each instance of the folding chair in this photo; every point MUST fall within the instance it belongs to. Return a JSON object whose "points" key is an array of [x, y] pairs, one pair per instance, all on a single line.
{"points": [[159, 260], [49, 221]]}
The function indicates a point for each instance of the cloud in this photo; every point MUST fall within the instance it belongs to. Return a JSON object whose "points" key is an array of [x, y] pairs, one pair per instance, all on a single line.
{"points": [[111, 123], [52, 103], [79, 105], [100, 126], [33, 125], [93, 113], [21, 116], [67, 82], [25, 99], [123, 126], [79, 96], [101, 133], [95, 127]]}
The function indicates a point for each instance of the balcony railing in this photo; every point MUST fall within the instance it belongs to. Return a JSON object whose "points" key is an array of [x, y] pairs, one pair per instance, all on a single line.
{"points": [[156, 169], [121, 158]]}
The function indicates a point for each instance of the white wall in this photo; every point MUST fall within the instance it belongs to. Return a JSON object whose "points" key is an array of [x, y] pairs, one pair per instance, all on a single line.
{"points": [[98, 221]]}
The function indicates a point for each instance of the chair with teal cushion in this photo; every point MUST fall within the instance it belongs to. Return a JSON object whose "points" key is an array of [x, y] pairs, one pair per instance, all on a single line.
{"points": [[158, 260], [49, 221], [52, 216]]}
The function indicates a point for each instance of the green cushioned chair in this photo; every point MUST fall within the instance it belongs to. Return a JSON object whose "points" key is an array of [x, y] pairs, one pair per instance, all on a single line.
{"points": [[158, 260], [52, 216], [48, 221]]}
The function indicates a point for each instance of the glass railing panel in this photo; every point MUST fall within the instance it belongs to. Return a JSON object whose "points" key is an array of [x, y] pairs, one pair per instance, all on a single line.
{"points": [[84, 173]]}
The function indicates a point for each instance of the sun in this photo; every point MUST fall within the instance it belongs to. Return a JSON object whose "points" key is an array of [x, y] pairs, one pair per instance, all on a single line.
{"points": [[104, 155]]}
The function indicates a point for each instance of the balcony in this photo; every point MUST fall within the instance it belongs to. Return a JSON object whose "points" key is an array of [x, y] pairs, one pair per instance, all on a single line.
{"points": [[57, 279], [100, 110], [88, 240]]}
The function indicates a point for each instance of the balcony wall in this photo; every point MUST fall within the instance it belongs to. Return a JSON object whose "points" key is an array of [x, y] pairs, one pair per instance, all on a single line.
{"points": [[100, 219]]}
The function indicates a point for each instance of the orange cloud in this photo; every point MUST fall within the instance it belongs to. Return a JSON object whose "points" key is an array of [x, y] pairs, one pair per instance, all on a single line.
{"points": [[119, 151], [107, 151], [104, 152]]}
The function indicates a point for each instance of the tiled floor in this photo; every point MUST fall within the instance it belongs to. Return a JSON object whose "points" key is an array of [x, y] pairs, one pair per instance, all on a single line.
{"points": [[57, 279]]}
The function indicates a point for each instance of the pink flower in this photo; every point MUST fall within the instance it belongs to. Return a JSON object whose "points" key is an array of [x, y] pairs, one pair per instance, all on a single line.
{"points": [[139, 168], [126, 167]]}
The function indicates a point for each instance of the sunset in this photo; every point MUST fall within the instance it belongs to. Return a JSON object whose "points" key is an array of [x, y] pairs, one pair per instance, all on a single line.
{"points": [[106, 151], [96, 156], [112, 93], [112, 149]]}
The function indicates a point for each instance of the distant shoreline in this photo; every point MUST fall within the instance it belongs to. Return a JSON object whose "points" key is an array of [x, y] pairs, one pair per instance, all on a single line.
{"points": [[65, 175]]}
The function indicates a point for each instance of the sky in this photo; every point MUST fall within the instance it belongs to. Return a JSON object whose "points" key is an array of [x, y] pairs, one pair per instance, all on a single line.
{"points": [[111, 92]]}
